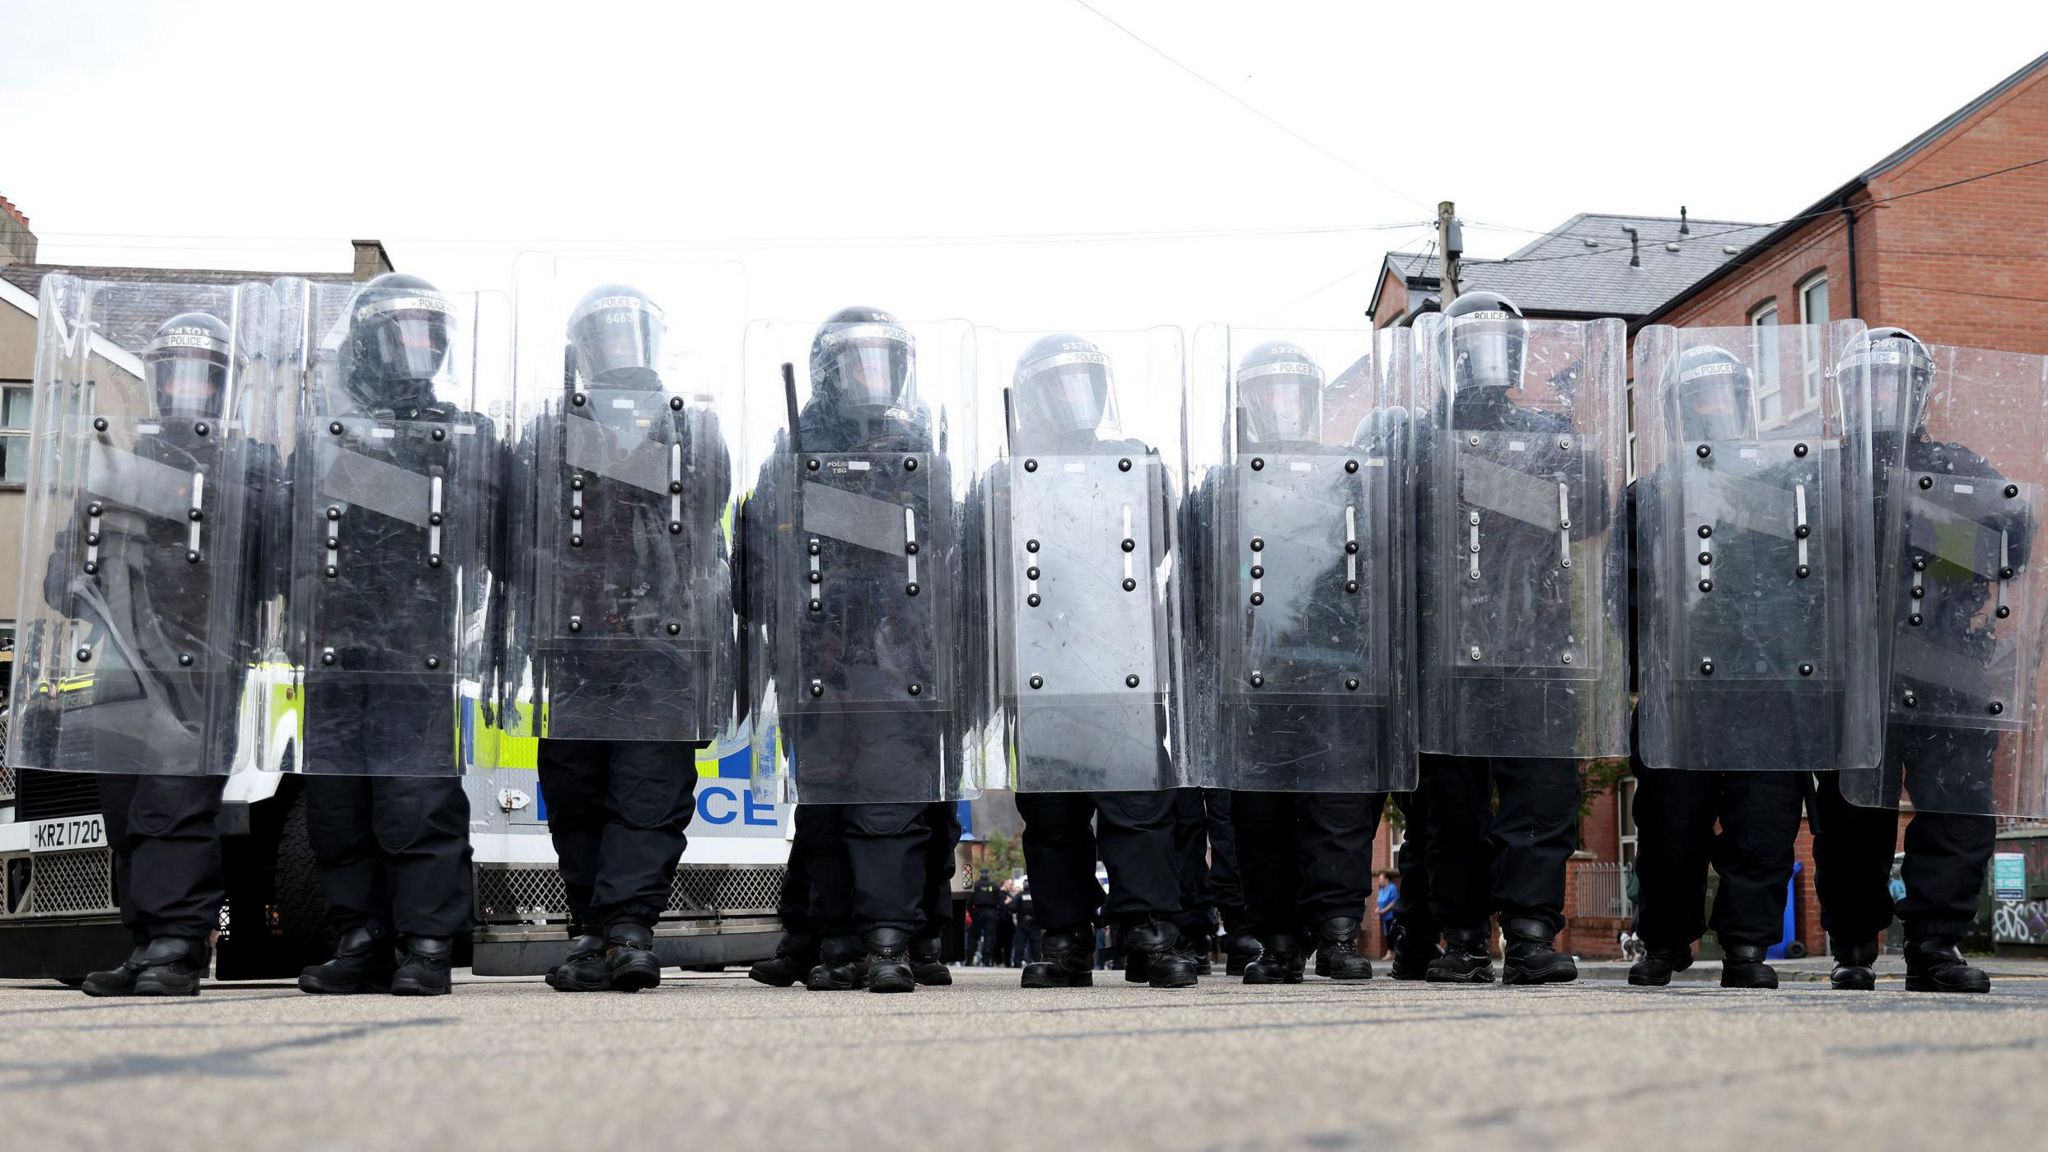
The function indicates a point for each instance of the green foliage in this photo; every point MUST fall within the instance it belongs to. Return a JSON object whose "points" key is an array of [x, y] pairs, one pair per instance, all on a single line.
{"points": [[1597, 778], [1001, 855]]}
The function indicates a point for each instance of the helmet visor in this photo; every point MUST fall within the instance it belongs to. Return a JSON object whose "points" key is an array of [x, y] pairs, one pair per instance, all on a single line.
{"points": [[1283, 402], [870, 363], [1713, 402], [616, 333], [405, 338], [1065, 393], [189, 381], [1899, 374], [1488, 346]]}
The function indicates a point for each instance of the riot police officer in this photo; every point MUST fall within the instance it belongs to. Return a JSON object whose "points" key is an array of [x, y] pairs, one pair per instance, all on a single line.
{"points": [[395, 494], [626, 484], [149, 582], [1092, 769], [1303, 827], [868, 777], [1508, 859], [1677, 810], [1949, 620]]}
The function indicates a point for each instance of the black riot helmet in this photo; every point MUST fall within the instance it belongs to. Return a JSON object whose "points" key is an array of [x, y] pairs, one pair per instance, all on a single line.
{"points": [[1900, 371], [1061, 389], [399, 331], [615, 329], [1279, 395], [1712, 392], [863, 358], [1488, 339], [187, 362]]}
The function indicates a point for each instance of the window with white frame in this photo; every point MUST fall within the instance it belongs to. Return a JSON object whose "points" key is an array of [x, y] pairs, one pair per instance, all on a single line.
{"points": [[1813, 311], [1770, 407], [14, 413]]}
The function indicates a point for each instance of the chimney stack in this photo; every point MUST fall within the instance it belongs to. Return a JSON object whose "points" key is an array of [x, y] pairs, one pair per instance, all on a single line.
{"points": [[1635, 253], [372, 260], [17, 243], [1684, 227]]}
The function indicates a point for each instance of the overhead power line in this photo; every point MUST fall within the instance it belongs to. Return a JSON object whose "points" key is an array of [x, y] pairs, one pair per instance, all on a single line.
{"points": [[1248, 106], [457, 243]]}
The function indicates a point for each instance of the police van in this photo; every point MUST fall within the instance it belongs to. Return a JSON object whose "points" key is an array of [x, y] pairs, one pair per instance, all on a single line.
{"points": [[59, 918]]}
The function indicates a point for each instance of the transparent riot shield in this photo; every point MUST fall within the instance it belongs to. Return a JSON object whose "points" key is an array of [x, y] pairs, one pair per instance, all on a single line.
{"points": [[1082, 578], [148, 471], [860, 440], [1756, 582], [1961, 440], [1522, 596], [1297, 545], [620, 618], [397, 570]]}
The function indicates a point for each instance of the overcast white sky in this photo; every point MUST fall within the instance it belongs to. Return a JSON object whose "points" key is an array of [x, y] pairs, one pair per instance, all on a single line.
{"points": [[1024, 164]]}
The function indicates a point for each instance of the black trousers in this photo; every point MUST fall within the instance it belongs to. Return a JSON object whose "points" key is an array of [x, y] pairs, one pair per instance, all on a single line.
{"points": [[1134, 832], [943, 820], [1508, 860], [617, 812], [1412, 914], [867, 865], [1307, 856], [167, 859], [1676, 812], [1946, 857], [1226, 870], [1202, 863], [393, 850], [793, 904]]}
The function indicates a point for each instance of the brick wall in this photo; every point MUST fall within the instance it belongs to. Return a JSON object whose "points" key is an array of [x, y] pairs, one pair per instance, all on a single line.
{"points": [[1964, 265]]}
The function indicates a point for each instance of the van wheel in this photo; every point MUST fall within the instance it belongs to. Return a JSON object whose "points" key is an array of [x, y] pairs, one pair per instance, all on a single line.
{"points": [[302, 925]]}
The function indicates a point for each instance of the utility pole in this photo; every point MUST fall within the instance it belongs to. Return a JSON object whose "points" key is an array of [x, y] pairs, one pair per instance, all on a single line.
{"points": [[1450, 244]]}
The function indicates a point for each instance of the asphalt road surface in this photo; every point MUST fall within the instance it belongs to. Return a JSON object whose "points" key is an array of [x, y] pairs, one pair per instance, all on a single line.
{"points": [[713, 1062]]}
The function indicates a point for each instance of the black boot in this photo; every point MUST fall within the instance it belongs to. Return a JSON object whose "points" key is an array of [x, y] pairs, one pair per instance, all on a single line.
{"points": [[1154, 954], [1240, 949], [1065, 960], [1855, 967], [1337, 955], [423, 966], [1412, 954], [889, 960], [926, 965], [166, 966], [1936, 964], [1280, 961], [584, 970], [1529, 958], [362, 962], [629, 957], [1465, 959], [842, 965], [1655, 968], [118, 981], [1199, 941], [795, 955], [1742, 966]]}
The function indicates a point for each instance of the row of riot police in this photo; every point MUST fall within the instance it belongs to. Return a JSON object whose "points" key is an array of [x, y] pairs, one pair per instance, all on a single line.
{"points": [[1202, 609]]}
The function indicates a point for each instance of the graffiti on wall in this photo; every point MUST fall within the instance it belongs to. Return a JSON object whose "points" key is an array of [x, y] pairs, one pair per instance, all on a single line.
{"points": [[2020, 921]]}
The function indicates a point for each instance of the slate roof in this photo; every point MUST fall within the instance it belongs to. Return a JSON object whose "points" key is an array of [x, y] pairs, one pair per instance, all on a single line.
{"points": [[130, 318], [1583, 268]]}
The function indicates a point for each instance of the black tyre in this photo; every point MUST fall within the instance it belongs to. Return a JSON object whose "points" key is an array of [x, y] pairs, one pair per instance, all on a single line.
{"points": [[302, 926]]}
